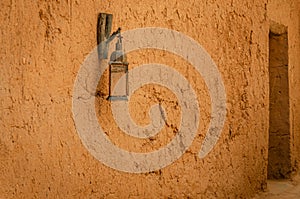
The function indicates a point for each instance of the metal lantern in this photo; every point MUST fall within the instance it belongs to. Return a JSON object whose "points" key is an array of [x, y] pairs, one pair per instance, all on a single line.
{"points": [[118, 73]]}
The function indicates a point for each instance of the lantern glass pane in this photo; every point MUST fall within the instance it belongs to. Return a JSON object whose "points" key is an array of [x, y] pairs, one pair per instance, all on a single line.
{"points": [[118, 80]]}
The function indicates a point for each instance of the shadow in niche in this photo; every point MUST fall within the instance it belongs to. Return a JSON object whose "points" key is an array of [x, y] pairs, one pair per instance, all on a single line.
{"points": [[279, 158]]}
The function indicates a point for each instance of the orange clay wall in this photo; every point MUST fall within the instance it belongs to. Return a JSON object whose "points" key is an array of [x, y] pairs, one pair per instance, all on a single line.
{"points": [[45, 43]]}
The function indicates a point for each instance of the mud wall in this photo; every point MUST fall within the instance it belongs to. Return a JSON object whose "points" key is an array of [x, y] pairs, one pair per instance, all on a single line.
{"points": [[43, 44]]}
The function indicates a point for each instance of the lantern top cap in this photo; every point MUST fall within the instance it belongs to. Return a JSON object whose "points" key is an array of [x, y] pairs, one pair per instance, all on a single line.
{"points": [[118, 55]]}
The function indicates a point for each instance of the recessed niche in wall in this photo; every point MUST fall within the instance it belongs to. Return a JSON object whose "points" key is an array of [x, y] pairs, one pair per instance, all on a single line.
{"points": [[279, 158]]}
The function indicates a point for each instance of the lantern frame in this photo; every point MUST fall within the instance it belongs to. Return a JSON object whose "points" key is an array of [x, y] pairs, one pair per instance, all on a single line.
{"points": [[118, 64], [118, 67]]}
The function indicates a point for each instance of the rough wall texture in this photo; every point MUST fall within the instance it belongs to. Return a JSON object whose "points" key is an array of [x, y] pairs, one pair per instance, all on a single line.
{"points": [[43, 44]]}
